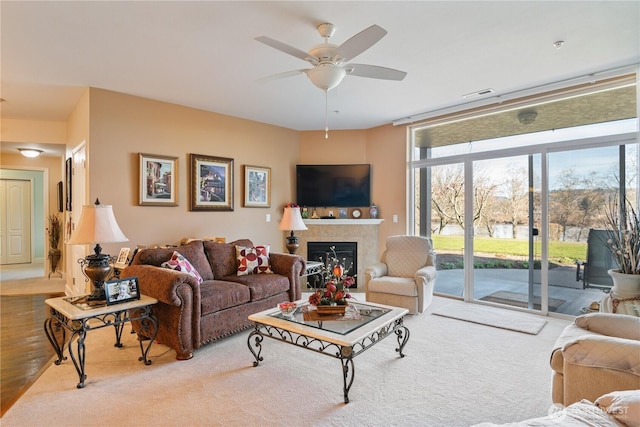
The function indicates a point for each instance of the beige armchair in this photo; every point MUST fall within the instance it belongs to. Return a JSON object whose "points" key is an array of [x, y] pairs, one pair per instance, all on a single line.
{"points": [[405, 275], [597, 354]]}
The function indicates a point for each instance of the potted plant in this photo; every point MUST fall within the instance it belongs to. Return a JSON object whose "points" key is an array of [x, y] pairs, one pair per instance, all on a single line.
{"points": [[623, 224], [54, 230]]}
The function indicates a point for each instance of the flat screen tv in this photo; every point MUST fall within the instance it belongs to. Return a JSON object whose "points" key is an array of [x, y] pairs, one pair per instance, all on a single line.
{"points": [[340, 186]]}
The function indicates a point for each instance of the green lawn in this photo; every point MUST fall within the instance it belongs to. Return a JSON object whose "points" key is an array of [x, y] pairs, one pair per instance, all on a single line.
{"points": [[559, 252]]}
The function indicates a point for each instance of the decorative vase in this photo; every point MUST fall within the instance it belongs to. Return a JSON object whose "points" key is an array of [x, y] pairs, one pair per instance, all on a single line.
{"points": [[373, 212], [54, 258], [624, 297]]}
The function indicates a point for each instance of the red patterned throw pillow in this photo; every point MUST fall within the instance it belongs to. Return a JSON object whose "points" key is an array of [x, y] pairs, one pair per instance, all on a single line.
{"points": [[253, 260], [180, 263]]}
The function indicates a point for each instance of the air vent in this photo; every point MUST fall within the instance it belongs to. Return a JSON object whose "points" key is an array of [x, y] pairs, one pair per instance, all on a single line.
{"points": [[482, 92]]}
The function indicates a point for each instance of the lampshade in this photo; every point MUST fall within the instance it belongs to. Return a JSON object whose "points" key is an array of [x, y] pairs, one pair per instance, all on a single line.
{"points": [[97, 225], [292, 220]]}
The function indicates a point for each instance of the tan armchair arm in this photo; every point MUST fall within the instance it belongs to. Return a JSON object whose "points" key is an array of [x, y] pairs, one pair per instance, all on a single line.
{"points": [[596, 365], [292, 267], [428, 274], [600, 351], [374, 271], [425, 278]]}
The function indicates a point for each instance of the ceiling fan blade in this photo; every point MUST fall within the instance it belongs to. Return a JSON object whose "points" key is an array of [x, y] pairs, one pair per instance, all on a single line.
{"points": [[284, 75], [360, 42], [374, 72], [283, 47]]}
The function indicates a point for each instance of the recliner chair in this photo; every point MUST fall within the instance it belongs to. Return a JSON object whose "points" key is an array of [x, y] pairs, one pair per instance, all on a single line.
{"points": [[405, 274], [597, 354]]}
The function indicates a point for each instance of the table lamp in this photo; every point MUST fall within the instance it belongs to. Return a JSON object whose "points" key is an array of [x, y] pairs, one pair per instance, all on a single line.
{"points": [[97, 225], [292, 220]]}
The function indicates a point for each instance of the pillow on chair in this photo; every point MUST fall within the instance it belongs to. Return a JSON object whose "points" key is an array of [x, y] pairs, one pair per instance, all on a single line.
{"points": [[612, 325]]}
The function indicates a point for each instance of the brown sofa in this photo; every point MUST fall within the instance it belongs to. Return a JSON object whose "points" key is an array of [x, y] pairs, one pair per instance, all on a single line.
{"points": [[191, 314]]}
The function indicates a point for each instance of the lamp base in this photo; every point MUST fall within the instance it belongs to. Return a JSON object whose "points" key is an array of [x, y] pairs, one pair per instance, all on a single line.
{"points": [[292, 244], [97, 269]]}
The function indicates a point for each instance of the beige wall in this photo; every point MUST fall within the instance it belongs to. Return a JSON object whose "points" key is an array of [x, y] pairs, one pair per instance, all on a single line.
{"points": [[117, 127], [384, 148], [122, 126]]}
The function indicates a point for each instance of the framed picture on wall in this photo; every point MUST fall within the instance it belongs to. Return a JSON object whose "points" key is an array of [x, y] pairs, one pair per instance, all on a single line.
{"points": [[257, 187], [68, 173], [158, 180], [60, 197], [211, 183]]}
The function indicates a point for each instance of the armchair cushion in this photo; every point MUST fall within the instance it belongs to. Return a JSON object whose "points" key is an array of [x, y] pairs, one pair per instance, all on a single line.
{"points": [[394, 285]]}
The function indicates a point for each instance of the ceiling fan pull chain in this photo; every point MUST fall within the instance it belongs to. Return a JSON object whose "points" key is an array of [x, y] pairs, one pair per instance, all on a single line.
{"points": [[326, 114]]}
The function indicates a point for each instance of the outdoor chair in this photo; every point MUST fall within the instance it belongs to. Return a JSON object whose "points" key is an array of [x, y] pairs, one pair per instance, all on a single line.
{"points": [[593, 271], [405, 275]]}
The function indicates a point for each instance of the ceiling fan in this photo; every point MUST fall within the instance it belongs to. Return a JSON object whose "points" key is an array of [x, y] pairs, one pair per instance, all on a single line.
{"points": [[330, 61]]}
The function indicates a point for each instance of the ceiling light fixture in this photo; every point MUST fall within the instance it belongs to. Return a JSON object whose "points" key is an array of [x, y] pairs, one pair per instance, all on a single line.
{"points": [[558, 44], [30, 152]]}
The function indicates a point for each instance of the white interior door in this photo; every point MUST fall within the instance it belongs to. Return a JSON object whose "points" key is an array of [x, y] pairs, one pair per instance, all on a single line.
{"points": [[15, 221], [77, 284]]}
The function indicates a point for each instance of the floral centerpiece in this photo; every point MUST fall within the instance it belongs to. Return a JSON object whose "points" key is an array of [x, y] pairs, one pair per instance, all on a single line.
{"points": [[53, 231], [336, 281]]}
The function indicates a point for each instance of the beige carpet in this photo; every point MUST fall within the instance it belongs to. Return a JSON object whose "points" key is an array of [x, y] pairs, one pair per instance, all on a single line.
{"points": [[495, 317], [517, 299], [454, 374]]}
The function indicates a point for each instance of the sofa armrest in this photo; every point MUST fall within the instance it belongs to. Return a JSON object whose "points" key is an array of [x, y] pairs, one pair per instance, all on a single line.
{"points": [[165, 285], [292, 267]]}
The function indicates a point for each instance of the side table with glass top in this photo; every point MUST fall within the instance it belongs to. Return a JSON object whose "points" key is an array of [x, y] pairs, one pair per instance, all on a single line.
{"points": [[71, 314]]}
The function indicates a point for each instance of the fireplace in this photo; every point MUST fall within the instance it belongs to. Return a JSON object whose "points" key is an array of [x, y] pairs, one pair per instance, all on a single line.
{"points": [[318, 251]]}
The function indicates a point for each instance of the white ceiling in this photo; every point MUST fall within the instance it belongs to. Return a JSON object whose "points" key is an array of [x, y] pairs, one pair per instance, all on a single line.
{"points": [[203, 54]]}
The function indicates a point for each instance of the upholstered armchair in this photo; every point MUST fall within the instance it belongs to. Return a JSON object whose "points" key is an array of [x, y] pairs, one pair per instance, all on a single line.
{"points": [[405, 274], [597, 354]]}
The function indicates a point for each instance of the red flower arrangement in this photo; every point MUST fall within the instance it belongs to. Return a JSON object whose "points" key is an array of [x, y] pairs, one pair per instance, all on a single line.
{"points": [[335, 281]]}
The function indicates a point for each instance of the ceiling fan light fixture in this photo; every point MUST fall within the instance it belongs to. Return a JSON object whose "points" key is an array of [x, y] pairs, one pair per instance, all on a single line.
{"points": [[30, 152], [326, 76]]}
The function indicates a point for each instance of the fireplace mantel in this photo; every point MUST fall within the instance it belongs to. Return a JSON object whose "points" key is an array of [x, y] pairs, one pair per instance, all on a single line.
{"points": [[343, 221]]}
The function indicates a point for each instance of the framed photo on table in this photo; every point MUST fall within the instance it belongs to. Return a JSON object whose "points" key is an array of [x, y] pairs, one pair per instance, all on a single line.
{"points": [[158, 179], [121, 290], [211, 183], [257, 187]]}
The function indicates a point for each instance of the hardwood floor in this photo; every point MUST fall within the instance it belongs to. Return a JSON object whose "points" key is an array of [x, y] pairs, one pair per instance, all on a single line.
{"points": [[25, 351]]}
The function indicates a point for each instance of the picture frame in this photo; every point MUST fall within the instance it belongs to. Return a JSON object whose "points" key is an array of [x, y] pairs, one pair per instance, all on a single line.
{"points": [[68, 174], [211, 183], [158, 180], [60, 197], [257, 187], [123, 258], [121, 290]]}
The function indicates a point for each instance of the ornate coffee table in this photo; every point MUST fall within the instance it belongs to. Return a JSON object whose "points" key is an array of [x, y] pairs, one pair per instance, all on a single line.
{"points": [[336, 335]]}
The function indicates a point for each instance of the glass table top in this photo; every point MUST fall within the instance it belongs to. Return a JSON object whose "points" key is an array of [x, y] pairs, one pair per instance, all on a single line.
{"points": [[356, 315]]}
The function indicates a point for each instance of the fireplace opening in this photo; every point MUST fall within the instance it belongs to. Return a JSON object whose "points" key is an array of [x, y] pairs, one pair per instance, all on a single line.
{"points": [[347, 251]]}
